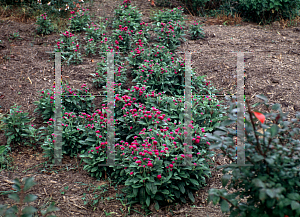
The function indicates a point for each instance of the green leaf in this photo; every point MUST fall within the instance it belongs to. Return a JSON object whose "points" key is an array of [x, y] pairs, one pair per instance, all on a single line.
{"points": [[182, 199], [153, 188], [142, 195], [181, 187], [224, 206], [194, 182], [262, 195], [156, 206], [148, 201], [295, 205], [29, 210], [2, 209], [14, 196], [276, 107], [29, 198], [94, 169], [274, 130], [2, 149], [225, 179], [270, 193], [293, 196], [29, 183], [263, 97], [191, 196], [257, 158], [52, 208], [258, 183], [135, 191]]}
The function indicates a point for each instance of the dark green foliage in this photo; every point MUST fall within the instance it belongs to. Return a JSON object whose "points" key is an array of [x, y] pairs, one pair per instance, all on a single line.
{"points": [[271, 186], [266, 11], [21, 199]]}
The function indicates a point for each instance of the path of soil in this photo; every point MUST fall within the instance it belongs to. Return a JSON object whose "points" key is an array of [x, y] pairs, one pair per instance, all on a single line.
{"points": [[271, 69]]}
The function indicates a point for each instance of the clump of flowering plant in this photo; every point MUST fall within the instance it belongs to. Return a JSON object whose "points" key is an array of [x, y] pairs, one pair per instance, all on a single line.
{"points": [[16, 125], [79, 20], [169, 15], [104, 44], [122, 38], [68, 43], [129, 17], [95, 31], [72, 101], [154, 166], [196, 31], [91, 47], [45, 26], [101, 73], [168, 34]]}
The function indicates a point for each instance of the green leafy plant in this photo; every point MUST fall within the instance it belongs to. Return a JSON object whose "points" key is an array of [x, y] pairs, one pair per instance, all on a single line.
{"points": [[128, 16], [196, 31], [270, 185], [95, 31], [79, 20], [15, 128], [168, 34], [2, 124], [45, 26], [20, 197], [90, 47], [34, 137], [264, 11], [15, 35], [5, 160], [152, 166], [170, 15], [98, 194], [72, 101], [68, 43], [101, 73]]}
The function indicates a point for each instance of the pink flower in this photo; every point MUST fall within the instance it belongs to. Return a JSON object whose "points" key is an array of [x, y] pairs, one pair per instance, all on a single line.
{"points": [[159, 176], [150, 165], [171, 165], [131, 173]]}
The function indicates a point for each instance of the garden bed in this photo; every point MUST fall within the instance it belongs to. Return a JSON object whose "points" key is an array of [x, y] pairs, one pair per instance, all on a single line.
{"points": [[271, 69]]}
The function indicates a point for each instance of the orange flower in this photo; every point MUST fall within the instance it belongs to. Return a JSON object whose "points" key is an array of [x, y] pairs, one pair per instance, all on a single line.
{"points": [[152, 2], [260, 117]]}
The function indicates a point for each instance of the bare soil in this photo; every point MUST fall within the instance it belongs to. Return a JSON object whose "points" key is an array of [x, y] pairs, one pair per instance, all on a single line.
{"points": [[272, 68]]}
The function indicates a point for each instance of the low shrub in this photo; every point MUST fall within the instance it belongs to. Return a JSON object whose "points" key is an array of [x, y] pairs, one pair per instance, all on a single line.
{"points": [[79, 20], [5, 159], [270, 185], [45, 26], [69, 46], [81, 101], [196, 31], [15, 128], [170, 15], [170, 33], [265, 12], [101, 73]]}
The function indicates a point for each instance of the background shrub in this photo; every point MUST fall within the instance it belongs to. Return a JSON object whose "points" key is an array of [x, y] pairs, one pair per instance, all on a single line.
{"points": [[270, 187]]}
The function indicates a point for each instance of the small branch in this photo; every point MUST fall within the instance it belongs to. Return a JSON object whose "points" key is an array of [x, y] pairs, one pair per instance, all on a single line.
{"points": [[252, 122], [229, 202], [248, 158]]}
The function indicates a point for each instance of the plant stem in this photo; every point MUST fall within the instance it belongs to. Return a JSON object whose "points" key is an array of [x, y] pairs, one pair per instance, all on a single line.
{"points": [[252, 122]]}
